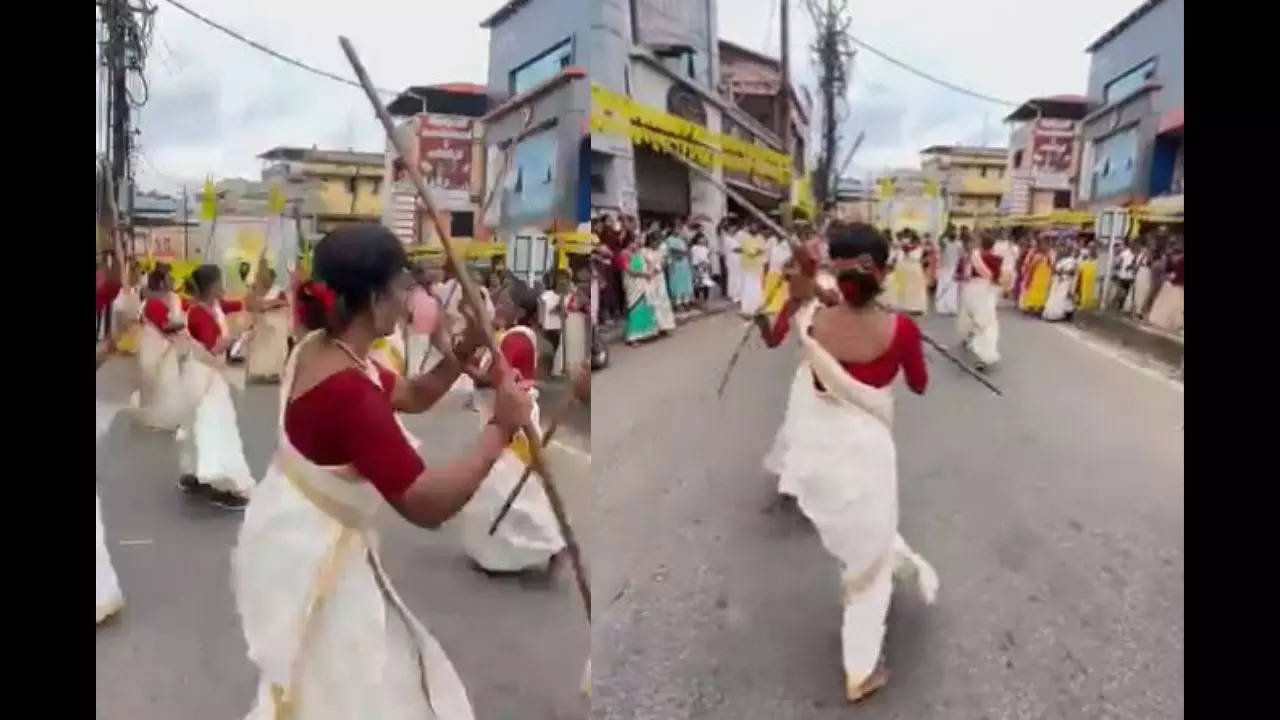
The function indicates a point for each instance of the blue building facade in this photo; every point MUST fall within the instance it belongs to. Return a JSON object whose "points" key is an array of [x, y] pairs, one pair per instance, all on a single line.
{"points": [[1133, 139]]}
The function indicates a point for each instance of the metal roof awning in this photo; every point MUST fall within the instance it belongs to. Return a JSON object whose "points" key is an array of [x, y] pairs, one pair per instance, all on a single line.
{"points": [[1065, 107]]}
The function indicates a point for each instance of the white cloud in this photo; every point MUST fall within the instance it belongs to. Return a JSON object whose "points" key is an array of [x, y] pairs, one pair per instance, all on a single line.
{"points": [[1009, 49], [216, 103]]}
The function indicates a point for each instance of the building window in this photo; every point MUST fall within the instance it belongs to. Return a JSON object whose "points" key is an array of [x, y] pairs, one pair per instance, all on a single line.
{"points": [[1125, 84], [597, 183], [1061, 199], [1017, 160], [1115, 160], [462, 224], [542, 68]]}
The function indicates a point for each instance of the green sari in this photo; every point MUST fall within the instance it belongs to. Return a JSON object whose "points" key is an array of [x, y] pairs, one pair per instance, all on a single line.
{"points": [[641, 322]]}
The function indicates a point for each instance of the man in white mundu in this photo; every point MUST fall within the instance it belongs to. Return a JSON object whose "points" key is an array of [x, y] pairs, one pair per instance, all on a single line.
{"points": [[330, 635]]}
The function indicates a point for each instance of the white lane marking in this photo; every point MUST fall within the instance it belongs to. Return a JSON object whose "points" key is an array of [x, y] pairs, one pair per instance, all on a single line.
{"points": [[1119, 356], [143, 541]]}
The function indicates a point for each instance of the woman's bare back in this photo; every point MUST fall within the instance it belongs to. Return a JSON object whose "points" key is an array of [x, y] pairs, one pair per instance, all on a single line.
{"points": [[854, 336]]}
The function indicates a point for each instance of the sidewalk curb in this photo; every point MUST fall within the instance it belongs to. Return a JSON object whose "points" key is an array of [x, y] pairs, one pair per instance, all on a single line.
{"points": [[613, 335], [1164, 346]]}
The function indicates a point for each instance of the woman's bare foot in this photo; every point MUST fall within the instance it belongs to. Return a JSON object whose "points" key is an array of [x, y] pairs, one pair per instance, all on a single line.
{"points": [[876, 680]]}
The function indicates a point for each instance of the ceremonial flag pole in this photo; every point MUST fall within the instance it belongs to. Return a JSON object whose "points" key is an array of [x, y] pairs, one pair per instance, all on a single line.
{"points": [[471, 295]]}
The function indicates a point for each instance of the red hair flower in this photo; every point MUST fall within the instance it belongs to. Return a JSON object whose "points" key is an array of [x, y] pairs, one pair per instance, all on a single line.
{"points": [[324, 294]]}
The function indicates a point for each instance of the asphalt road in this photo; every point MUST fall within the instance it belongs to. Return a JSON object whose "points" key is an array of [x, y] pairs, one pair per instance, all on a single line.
{"points": [[176, 651], [1054, 517]]}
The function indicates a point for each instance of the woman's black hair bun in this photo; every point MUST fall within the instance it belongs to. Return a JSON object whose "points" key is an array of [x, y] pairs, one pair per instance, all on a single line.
{"points": [[859, 287]]}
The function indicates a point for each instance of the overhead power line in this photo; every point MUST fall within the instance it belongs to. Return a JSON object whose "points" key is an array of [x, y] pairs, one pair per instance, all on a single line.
{"points": [[931, 78], [277, 55]]}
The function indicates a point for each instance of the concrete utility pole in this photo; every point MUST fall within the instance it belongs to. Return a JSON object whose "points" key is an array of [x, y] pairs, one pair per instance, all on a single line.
{"points": [[783, 105], [127, 28], [831, 54]]}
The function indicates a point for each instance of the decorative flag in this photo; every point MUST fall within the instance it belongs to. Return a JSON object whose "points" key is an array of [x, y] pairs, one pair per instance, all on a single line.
{"points": [[275, 199], [208, 200]]}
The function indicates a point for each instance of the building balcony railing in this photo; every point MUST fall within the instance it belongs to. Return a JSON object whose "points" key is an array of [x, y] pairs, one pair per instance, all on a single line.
{"points": [[968, 185]]}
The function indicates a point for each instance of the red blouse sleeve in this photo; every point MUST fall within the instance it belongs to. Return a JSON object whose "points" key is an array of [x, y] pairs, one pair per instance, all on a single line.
{"points": [[106, 294], [911, 353], [156, 312], [346, 420], [781, 326], [203, 327], [231, 306]]}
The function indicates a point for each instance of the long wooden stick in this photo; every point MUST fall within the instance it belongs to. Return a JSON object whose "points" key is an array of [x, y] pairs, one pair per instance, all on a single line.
{"points": [[773, 291], [961, 364], [559, 415], [471, 295]]}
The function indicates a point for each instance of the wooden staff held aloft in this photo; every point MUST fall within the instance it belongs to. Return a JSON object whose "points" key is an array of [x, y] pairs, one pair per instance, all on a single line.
{"points": [[798, 252], [471, 296]]}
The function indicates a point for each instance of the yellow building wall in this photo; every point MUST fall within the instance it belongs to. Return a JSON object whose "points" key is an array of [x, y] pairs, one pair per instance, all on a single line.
{"points": [[333, 196]]}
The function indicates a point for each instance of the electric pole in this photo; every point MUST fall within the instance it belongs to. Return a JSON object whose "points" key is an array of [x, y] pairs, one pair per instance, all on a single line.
{"points": [[783, 107], [831, 54], [124, 52]]}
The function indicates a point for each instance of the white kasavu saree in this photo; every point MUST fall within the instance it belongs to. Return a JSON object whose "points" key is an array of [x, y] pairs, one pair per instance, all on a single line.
{"points": [[110, 598], [529, 535], [978, 323], [801, 382], [330, 636], [160, 402], [209, 444], [842, 465], [268, 342]]}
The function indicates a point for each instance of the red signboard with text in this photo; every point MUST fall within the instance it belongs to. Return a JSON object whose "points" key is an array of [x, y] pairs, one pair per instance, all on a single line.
{"points": [[444, 149], [1052, 146]]}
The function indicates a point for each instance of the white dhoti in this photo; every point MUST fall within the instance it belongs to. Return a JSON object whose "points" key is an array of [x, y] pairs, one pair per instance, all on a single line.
{"points": [[572, 351], [330, 636], [978, 323], [1137, 300], [209, 444], [946, 300], [750, 290], [842, 463], [529, 535]]}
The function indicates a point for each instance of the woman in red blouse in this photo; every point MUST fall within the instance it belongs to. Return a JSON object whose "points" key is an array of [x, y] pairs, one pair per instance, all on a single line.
{"points": [[342, 456], [161, 402], [211, 454], [836, 453]]}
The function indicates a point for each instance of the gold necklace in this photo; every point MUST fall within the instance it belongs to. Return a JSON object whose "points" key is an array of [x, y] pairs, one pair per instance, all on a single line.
{"points": [[363, 363]]}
